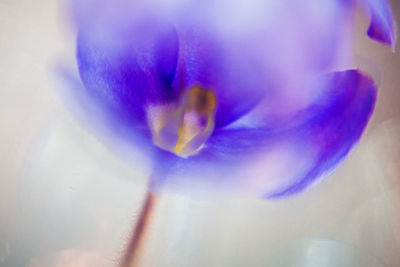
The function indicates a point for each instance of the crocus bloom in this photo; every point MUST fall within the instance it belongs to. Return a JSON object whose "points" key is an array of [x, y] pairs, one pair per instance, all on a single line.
{"points": [[238, 95]]}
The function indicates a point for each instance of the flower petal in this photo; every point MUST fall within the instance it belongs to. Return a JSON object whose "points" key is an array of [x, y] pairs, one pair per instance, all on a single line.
{"points": [[382, 27], [337, 127], [280, 162], [128, 64], [235, 78], [263, 53], [99, 117]]}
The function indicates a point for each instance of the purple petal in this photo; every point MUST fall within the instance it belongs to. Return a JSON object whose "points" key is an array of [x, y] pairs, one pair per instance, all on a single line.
{"points": [[236, 78], [280, 162], [101, 118], [128, 64], [264, 54], [382, 27], [337, 127]]}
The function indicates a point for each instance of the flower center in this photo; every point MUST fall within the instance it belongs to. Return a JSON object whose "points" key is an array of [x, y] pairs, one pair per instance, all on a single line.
{"points": [[183, 128]]}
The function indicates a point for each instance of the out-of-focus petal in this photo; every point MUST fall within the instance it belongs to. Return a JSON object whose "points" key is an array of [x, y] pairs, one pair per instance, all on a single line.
{"points": [[382, 26], [237, 78], [280, 162], [128, 63], [110, 126], [260, 50], [337, 125]]}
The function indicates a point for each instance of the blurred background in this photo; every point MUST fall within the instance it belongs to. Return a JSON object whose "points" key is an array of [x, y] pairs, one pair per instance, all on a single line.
{"points": [[66, 200]]}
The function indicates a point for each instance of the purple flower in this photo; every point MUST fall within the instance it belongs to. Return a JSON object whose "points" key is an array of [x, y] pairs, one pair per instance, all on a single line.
{"points": [[229, 95]]}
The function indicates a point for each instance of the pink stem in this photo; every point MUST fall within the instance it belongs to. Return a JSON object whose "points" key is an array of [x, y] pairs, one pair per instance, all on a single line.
{"points": [[131, 255]]}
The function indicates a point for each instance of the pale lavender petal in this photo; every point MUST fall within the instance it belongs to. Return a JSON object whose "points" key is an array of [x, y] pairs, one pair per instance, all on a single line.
{"points": [[266, 53]]}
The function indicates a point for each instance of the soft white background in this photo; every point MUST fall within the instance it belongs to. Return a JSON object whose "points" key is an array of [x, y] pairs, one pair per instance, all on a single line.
{"points": [[66, 200]]}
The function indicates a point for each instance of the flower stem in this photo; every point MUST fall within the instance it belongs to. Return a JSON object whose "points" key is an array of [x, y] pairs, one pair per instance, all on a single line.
{"points": [[131, 256]]}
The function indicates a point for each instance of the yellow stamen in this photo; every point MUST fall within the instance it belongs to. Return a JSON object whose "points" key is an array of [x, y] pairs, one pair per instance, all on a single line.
{"points": [[184, 128]]}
